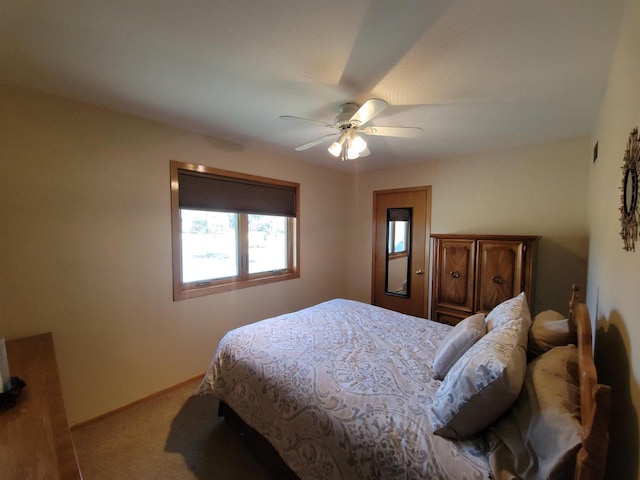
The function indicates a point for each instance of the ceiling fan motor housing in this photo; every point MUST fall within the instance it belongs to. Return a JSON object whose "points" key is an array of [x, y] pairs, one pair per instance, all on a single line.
{"points": [[347, 110]]}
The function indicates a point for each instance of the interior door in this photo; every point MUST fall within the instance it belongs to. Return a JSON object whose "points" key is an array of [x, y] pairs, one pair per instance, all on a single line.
{"points": [[402, 225]]}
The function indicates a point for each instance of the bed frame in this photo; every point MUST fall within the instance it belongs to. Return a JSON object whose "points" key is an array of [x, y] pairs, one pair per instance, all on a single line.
{"points": [[595, 401], [595, 398]]}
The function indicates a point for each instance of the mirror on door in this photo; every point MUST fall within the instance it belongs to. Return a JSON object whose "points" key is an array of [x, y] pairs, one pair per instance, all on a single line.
{"points": [[398, 251]]}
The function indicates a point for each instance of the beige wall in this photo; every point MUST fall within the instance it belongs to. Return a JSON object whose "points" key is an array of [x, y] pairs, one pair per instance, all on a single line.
{"points": [[539, 190], [614, 275], [86, 247]]}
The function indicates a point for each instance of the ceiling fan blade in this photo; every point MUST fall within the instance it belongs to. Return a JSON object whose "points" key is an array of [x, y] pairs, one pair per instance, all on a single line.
{"points": [[406, 132], [368, 110], [320, 122], [315, 142]]}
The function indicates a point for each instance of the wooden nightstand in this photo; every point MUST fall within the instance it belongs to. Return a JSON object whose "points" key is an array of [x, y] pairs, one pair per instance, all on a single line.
{"points": [[35, 440]]}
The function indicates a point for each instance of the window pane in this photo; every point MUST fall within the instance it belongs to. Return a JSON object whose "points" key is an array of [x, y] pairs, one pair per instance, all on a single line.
{"points": [[267, 243], [209, 245], [400, 237], [397, 231]]}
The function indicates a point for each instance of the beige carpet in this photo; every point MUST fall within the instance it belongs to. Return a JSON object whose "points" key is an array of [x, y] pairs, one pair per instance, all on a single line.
{"points": [[173, 436]]}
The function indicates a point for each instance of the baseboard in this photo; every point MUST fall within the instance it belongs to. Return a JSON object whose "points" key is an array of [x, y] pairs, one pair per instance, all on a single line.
{"points": [[137, 402]]}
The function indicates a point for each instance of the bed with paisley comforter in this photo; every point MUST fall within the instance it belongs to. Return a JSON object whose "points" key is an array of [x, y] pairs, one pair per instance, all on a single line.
{"points": [[344, 389]]}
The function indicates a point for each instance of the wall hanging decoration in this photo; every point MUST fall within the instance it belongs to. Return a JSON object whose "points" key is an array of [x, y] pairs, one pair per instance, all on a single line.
{"points": [[629, 208]]}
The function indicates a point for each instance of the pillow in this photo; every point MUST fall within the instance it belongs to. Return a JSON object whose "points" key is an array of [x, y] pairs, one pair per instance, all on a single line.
{"points": [[540, 435], [483, 383], [513, 308], [549, 329], [457, 341]]}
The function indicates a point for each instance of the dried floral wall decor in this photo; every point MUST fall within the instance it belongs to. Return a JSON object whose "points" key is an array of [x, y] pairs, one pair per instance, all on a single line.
{"points": [[629, 208]]}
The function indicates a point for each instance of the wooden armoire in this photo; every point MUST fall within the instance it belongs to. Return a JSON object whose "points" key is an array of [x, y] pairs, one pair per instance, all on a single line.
{"points": [[474, 273]]}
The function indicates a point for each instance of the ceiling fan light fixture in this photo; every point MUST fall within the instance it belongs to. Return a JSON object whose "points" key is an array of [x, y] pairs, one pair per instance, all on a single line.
{"points": [[349, 146]]}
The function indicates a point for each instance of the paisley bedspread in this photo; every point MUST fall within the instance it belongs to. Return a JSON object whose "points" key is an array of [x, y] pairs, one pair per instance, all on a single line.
{"points": [[342, 390]]}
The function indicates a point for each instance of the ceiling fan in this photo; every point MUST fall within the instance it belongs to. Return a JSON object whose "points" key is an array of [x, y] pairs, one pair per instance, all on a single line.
{"points": [[348, 144]]}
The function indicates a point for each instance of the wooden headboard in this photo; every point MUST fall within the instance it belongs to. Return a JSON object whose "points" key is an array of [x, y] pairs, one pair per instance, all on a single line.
{"points": [[595, 398]]}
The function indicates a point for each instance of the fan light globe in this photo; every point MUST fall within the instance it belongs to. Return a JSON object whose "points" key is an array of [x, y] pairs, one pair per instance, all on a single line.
{"points": [[335, 149], [357, 144], [352, 155]]}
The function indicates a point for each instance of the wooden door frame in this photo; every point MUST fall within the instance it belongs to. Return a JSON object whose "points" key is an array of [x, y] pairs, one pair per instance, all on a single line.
{"points": [[427, 242]]}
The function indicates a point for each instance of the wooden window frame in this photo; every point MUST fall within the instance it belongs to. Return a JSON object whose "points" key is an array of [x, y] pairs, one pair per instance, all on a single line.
{"points": [[182, 291]]}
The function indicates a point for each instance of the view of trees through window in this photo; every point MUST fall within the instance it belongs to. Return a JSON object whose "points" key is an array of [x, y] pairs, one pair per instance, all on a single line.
{"points": [[267, 243], [210, 244]]}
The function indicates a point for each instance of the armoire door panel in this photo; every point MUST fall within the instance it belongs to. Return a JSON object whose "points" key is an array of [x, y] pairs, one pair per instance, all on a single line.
{"points": [[456, 282], [499, 273]]}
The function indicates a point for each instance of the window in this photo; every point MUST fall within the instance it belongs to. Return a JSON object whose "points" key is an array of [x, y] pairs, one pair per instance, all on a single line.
{"points": [[398, 231], [231, 230]]}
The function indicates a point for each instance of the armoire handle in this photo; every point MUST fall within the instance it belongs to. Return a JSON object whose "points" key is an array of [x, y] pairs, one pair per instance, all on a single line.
{"points": [[454, 274], [496, 279]]}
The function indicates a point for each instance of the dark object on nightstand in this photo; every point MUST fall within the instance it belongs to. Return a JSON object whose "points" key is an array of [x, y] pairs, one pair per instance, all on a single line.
{"points": [[8, 399]]}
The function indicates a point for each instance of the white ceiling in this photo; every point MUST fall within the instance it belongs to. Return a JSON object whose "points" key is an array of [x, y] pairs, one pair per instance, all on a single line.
{"points": [[475, 75]]}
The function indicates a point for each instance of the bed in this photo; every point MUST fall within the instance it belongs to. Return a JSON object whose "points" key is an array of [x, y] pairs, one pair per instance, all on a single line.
{"points": [[344, 389]]}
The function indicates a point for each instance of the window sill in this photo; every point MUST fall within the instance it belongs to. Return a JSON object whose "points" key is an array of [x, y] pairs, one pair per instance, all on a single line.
{"points": [[194, 292]]}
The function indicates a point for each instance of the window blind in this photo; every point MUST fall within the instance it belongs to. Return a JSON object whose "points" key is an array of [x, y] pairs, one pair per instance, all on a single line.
{"points": [[203, 191], [399, 214]]}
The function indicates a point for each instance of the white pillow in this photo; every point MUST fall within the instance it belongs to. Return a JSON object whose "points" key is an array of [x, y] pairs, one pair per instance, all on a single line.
{"points": [[549, 329], [540, 435], [513, 308], [456, 342], [484, 382]]}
